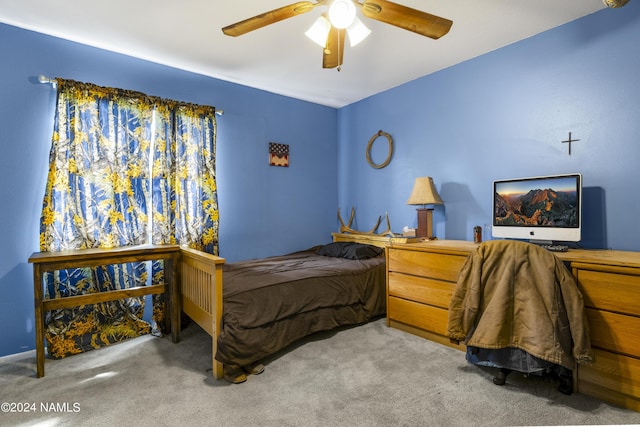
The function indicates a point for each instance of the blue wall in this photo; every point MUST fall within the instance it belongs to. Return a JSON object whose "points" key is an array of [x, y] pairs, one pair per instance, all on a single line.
{"points": [[496, 116], [503, 115], [263, 210]]}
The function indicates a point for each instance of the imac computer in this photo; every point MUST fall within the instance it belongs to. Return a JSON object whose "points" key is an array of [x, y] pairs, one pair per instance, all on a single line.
{"points": [[543, 209]]}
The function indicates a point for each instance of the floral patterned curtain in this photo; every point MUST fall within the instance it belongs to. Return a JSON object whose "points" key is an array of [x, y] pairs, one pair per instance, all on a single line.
{"points": [[114, 181], [184, 191], [194, 192], [184, 180]]}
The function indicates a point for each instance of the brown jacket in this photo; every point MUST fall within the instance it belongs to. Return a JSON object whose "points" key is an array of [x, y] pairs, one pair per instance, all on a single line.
{"points": [[516, 294]]}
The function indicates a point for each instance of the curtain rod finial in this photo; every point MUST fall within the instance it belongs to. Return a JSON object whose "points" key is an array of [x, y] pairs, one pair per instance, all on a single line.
{"points": [[45, 79]]}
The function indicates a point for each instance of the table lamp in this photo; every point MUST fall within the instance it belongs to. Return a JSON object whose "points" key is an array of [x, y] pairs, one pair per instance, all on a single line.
{"points": [[424, 193]]}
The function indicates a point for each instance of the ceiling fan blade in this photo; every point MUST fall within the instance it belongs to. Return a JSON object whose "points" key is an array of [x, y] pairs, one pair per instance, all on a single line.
{"points": [[334, 50], [271, 17], [407, 18]]}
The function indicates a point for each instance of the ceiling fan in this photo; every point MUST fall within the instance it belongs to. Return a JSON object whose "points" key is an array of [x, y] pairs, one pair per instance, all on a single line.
{"points": [[330, 29]]}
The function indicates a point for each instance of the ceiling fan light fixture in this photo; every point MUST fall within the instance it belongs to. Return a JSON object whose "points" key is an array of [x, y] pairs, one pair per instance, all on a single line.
{"points": [[319, 31], [342, 13], [615, 3], [357, 32]]}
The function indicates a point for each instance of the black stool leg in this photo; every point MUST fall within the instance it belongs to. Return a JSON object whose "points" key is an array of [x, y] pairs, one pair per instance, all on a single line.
{"points": [[501, 378]]}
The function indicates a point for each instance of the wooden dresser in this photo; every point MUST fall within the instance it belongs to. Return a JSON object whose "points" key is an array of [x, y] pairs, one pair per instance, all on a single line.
{"points": [[421, 278]]}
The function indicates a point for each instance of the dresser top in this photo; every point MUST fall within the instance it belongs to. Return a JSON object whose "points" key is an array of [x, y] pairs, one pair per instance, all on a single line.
{"points": [[588, 256]]}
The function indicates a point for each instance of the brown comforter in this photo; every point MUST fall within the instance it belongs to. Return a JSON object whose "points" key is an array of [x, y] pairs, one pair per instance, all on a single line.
{"points": [[269, 303]]}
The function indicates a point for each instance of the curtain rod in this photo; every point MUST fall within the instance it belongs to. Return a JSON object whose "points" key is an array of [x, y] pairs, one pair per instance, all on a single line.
{"points": [[45, 79]]}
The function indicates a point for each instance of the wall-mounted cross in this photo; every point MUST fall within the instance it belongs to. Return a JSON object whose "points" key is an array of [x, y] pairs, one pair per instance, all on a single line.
{"points": [[569, 141]]}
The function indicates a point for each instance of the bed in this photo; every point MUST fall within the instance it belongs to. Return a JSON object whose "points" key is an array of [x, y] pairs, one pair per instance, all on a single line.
{"points": [[272, 302]]}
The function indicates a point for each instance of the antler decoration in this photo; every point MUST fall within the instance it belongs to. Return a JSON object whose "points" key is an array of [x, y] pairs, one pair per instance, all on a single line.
{"points": [[388, 231], [347, 228]]}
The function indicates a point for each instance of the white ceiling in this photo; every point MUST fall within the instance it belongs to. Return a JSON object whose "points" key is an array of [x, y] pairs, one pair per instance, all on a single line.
{"points": [[279, 58]]}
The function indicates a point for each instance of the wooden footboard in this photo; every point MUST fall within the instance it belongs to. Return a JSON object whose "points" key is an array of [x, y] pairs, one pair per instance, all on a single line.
{"points": [[201, 294]]}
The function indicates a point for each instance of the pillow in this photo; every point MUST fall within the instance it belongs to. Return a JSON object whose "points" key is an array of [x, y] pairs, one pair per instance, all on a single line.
{"points": [[361, 251], [332, 249], [350, 250]]}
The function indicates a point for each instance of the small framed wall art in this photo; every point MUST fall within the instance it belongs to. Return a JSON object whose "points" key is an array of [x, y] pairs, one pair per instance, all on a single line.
{"points": [[278, 154]]}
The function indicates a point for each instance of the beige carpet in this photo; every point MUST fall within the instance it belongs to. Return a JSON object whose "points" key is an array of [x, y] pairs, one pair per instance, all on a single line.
{"points": [[369, 375]]}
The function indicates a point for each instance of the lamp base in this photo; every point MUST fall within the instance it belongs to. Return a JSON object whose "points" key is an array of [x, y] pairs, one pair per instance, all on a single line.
{"points": [[425, 224]]}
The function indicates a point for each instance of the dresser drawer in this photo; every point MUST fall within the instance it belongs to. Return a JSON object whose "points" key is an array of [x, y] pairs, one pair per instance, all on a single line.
{"points": [[419, 289], [432, 319], [613, 377], [612, 331], [426, 264], [610, 291]]}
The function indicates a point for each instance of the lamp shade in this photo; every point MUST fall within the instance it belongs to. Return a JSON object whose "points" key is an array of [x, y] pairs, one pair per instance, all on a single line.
{"points": [[424, 192], [357, 32], [319, 31]]}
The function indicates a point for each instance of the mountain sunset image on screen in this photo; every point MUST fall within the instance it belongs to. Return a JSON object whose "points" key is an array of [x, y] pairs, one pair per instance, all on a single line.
{"points": [[527, 203], [524, 207]]}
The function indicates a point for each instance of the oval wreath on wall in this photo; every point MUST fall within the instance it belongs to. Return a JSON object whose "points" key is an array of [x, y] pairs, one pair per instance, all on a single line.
{"points": [[389, 152]]}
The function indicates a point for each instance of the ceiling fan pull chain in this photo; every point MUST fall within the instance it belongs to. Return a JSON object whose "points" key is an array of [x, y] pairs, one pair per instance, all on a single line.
{"points": [[339, 67]]}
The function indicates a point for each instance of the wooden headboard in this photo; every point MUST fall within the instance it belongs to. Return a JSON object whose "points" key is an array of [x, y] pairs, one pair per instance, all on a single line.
{"points": [[371, 239]]}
